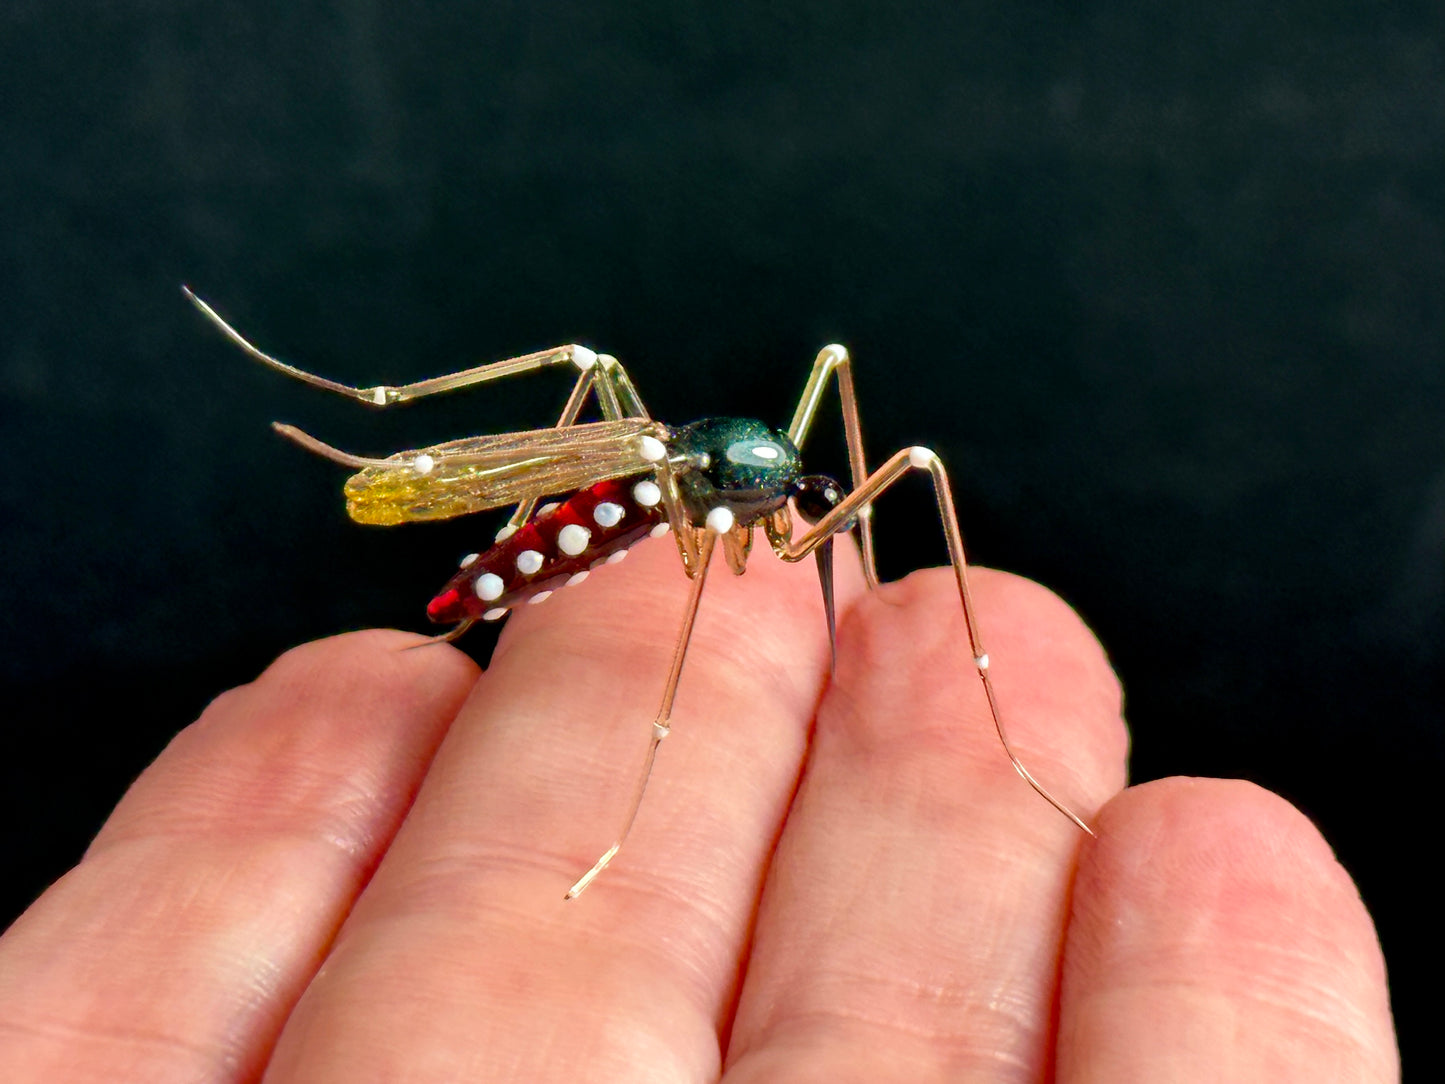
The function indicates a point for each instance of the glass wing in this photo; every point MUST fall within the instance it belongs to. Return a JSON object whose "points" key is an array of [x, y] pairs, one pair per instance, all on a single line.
{"points": [[477, 473]]}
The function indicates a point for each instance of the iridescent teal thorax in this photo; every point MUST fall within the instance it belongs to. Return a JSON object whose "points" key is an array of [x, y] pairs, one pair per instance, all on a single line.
{"points": [[738, 463]]}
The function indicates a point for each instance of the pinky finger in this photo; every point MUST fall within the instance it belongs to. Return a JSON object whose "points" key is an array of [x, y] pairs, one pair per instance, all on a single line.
{"points": [[1215, 938]]}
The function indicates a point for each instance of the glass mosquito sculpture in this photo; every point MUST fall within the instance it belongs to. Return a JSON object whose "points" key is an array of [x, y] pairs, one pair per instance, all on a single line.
{"points": [[622, 479]]}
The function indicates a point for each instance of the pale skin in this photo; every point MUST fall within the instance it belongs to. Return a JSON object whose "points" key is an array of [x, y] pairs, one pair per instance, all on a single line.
{"points": [[353, 868]]}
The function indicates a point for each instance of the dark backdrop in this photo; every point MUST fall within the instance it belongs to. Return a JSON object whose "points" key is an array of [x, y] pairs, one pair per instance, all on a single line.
{"points": [[1164, 290]]}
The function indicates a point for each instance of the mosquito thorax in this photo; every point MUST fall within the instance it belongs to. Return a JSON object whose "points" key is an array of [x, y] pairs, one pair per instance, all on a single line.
{"points": [[737, 463]]}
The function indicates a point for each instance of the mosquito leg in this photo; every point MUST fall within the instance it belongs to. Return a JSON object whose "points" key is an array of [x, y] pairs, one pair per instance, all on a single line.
{"points": [[834, 361], [837, 520], [661, 724], [616, 399], [683, 532], [600, 374], [387, 395], [614, 377], [570, 411], [447, 637], [737, 543]]}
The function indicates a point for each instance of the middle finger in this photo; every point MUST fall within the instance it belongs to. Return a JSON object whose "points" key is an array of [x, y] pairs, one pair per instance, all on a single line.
{"points": [[911, 924]]}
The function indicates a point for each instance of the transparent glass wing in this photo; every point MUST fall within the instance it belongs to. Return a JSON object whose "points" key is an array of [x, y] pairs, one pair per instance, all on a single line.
{"points": [[477, 473]]}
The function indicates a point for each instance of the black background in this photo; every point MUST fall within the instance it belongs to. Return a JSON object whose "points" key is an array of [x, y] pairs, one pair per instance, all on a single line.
{"points": [[1164, 289]]}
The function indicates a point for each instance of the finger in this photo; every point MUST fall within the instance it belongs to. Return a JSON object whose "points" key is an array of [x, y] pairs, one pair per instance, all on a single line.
{"points": [[1215, 937], [174, 950], [462, 960], [911, 925]]}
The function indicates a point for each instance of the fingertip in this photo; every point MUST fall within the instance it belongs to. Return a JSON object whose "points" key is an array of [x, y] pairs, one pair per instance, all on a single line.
{"points": [[375, 662], [1206, 902], [369, 663], [331, 715], [1170, 840], [1058, 695]]}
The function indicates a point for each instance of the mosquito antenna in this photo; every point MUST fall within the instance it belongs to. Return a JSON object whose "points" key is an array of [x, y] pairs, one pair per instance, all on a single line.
{"points": [[326, 451]]}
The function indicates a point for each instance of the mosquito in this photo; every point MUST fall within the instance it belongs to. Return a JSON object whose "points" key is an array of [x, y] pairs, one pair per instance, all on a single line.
{"points": [[619, 480]]}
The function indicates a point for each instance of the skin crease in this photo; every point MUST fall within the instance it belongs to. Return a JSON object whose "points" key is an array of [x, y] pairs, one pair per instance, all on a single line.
{"points": [[352, 869]]}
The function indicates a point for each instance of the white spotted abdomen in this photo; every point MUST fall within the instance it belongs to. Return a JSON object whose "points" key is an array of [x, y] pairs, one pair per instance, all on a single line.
{"points": [[556, 547]]}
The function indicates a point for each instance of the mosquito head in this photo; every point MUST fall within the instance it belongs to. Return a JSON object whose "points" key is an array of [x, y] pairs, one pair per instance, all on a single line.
{"points": [[737, 463], [815, 495]]}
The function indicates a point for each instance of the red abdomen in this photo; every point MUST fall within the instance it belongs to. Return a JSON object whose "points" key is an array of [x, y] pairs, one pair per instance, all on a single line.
{"points": [[555, 548]]}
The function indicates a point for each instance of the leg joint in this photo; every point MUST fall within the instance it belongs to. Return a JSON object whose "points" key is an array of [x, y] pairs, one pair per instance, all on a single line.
{"points": [[922, 458]]}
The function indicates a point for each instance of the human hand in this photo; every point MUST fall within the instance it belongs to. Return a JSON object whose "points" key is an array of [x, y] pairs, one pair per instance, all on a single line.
{"points": [[353, 869]]}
